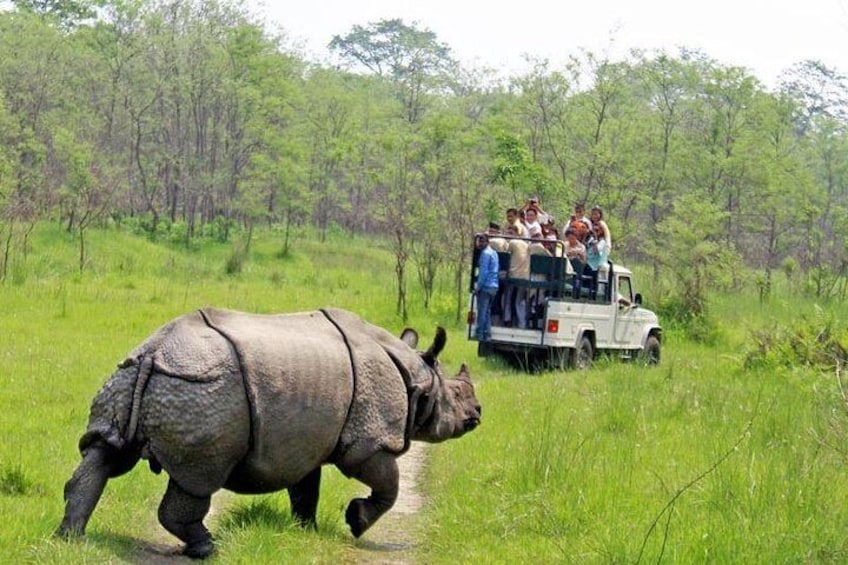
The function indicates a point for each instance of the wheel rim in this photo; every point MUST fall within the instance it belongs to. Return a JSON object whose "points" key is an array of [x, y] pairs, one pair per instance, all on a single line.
{"points": [[651, 354]]}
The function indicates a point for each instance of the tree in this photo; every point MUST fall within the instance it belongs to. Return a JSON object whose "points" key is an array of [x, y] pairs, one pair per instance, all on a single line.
{"points": [[69, 13], [413, 59], [769, 222], [416, 65], [7, 166], [34, 99], [88, 187], [691, 246], [513, 167], [330, 121], [820, 91]]}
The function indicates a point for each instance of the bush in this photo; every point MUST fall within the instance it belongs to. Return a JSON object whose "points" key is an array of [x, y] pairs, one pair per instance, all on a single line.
{"points": [[236, 259], [817, 342], [701, 328], [14, 482]]}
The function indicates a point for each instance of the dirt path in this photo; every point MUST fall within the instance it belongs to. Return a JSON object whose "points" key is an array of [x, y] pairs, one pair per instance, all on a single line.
{"points": [[391, 541]]}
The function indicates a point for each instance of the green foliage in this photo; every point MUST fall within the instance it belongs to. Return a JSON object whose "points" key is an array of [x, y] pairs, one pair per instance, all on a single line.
{"points": [[676, 313], [68, 13], [235, 260], [182, 114], [624, 464], [817, 340], [15, 482], [514, 167], [694, 248]]}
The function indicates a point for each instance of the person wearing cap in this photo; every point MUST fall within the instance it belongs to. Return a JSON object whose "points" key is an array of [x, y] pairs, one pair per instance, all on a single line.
{"points": [[486, 286]]}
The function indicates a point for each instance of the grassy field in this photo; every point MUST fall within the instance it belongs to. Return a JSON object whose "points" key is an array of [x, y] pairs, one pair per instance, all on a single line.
{"points": [[697, 460]]}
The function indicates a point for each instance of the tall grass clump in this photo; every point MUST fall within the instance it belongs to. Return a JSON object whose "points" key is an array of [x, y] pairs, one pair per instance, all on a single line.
{"points": [[817, 340], [236, 259], [15, 482]]}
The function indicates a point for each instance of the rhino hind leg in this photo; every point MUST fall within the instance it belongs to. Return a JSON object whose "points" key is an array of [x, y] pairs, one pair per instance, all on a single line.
{"points": [[380, 472], [182, 513], [83, 490], [304, 498]]}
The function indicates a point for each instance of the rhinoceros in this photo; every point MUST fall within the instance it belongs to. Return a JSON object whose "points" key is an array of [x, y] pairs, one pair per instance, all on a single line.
{"points": [[257, 403]]}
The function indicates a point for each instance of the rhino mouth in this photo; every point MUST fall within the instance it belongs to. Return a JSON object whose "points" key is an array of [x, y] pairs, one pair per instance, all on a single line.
{"points": [[470, 423]]}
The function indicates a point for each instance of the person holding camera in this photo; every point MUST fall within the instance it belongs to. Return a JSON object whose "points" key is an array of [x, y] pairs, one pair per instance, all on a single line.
{"points": [[533, 202]]}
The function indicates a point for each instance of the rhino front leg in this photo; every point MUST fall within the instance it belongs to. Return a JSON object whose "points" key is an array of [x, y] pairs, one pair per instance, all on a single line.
{"points": [[304, 498], [380, 472], [182, 513], [83, 490]]}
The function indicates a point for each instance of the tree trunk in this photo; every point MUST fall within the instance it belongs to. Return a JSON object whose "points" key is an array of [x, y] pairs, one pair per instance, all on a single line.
{"points": [[400, 272], [4, 267], [81, 248]]}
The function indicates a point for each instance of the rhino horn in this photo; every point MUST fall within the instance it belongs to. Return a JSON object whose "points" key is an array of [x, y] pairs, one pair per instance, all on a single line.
{"points": [[431, 354]]}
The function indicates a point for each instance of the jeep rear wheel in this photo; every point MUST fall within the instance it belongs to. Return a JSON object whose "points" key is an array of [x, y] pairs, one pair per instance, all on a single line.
{"points": [[584, 354], [485, 349]]}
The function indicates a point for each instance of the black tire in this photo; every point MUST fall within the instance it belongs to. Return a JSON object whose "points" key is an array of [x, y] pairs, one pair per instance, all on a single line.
{"points": [[583, 355], [485, 349], [651, 353]]}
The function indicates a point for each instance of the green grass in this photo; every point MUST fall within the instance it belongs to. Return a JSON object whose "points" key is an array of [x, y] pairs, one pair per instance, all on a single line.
{"points": [[691, 461], [696, 460]]}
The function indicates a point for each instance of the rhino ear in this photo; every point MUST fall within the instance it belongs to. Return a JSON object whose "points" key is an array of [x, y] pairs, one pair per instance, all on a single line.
{"points": [[431, 354], [409, 337], [464, 374]]}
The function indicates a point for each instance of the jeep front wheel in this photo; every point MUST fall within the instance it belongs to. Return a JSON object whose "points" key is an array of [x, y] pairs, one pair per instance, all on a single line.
{"points": [[584, 354], [651, 354]]}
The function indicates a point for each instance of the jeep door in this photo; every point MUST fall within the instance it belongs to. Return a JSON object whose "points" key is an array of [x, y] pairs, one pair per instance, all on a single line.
{"points": [[627, 324]]}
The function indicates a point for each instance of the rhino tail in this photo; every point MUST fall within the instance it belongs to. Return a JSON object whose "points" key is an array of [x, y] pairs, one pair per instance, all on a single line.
{"points": [[144, 371], [115, 413]]}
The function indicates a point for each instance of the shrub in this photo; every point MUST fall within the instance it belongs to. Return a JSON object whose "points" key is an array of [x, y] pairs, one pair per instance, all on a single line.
{"points": [[700, 327], [819, 341], [14, 482]]}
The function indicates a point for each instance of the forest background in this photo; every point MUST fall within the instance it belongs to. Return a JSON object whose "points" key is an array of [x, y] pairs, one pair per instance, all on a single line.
{"points": [[187, 120]]}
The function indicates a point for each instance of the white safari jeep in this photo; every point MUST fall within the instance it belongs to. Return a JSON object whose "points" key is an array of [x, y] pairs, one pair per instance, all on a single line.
{"points": [[541, 318]]}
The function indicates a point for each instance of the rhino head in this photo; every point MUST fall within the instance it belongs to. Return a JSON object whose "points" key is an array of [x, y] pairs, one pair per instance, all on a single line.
{"points": [[439, 408]]}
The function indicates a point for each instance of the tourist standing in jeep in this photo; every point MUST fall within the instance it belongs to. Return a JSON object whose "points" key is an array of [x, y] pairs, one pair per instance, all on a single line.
{"points": [[486, 286]]}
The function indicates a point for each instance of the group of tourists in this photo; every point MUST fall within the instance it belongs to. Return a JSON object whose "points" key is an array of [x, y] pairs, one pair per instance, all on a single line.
{"points": [[585, 242]]}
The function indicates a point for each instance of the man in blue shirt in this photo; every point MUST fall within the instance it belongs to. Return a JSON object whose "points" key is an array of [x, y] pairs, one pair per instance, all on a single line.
{"points": [[486, 287]]}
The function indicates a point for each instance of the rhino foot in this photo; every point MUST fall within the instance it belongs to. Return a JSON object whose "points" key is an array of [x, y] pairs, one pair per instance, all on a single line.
{"points": [[68, 532], [200, 550], [356, 516]]}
